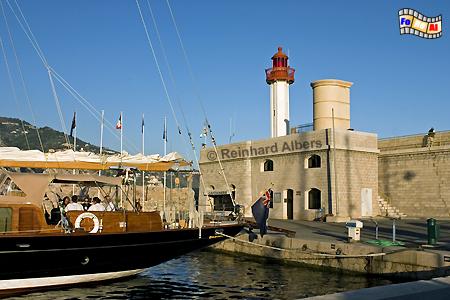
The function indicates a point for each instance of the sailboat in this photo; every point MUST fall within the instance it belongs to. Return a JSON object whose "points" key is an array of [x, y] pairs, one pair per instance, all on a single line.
{"points": [[42, 249]]}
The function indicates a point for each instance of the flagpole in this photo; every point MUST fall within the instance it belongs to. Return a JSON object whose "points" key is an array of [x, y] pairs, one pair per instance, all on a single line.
{"points": [[143, 154], [75, 132], [165, 173], [121, 136], [74, 145], [121, 154], [101, 138], [75, 140]]}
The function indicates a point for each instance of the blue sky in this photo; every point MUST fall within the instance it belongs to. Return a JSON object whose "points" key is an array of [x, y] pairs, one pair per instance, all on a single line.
{"points": [[401, 83]]}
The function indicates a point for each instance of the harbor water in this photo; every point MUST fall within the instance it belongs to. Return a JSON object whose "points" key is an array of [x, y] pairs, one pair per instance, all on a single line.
{"points": [[212, 275]]}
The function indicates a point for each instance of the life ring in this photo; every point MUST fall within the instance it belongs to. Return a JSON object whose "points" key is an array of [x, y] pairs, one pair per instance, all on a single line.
{"points": [[91, 216]]}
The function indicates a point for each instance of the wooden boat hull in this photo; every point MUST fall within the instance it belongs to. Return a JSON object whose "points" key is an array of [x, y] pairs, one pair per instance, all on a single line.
{"points": [[43, 258]]}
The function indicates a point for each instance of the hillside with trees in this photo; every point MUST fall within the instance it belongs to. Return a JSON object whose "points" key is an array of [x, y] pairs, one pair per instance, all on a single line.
{"points": [[21, 134]]}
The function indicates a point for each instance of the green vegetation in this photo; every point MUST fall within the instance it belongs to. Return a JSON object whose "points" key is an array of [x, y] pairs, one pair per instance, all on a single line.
{"points": [[13, 132]]}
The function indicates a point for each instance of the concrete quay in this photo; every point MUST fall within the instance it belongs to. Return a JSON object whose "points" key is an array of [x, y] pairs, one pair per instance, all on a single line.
{"points": [[324, 245], [436, 289]]}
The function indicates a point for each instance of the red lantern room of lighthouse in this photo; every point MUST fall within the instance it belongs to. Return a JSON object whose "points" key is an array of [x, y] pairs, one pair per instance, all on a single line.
{"points": [[279, 77], [280, 69]]}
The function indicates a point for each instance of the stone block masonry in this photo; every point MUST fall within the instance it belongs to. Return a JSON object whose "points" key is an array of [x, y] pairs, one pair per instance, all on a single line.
{"points": [[414, 174], [309, 175]]}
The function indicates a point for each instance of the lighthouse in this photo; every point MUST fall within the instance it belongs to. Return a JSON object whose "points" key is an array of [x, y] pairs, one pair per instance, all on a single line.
{"points": [[279, 77]]}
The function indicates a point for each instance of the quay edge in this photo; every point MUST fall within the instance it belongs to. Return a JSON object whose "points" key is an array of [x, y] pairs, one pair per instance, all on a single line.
{"points": [[398, 262]]}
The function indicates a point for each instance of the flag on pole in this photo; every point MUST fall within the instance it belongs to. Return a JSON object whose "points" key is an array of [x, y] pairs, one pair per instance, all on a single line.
{"points": [[165, 131], [74, 123], [143, 124], [260, 211], [119, 122]]}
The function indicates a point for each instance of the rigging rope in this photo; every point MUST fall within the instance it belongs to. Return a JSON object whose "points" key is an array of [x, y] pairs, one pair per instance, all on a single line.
{"points": [[90, 108], [58, 106], [27, 97], [32, 34], [159, 71], [176, 98], [35, 44], [27, 33], [53, 74], [167, 64], [157, 66], [13, 90], [211, 135]]}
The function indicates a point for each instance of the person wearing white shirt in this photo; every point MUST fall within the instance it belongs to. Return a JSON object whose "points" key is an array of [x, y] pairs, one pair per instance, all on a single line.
{"points": [[97, 206], [74, 205], [109, 204]]}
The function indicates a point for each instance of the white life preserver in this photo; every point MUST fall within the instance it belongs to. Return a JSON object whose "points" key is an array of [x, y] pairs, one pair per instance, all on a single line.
{"points": [[91, 216]]}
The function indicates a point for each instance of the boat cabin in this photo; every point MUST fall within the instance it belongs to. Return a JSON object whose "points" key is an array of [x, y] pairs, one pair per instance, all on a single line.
{"points": [[31, 203]]}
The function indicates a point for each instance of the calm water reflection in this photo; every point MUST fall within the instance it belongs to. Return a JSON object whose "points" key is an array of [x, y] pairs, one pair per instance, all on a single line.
{"points": [[213, 275]]}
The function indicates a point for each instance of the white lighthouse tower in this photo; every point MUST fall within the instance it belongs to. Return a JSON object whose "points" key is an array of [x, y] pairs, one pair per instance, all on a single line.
{"points": [[279, 77]]}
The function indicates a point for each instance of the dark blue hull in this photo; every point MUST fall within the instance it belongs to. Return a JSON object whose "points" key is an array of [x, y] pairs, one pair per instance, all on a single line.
{"points": [[64, 255]]}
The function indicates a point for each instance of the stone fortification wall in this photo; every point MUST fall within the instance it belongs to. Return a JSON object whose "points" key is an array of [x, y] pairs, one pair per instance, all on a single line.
{"points": [[414, 174], [414, 141]]}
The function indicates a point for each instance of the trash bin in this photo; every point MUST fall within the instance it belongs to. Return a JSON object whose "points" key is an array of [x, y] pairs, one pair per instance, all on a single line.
{"points": [[433, 231], [354, 230]]}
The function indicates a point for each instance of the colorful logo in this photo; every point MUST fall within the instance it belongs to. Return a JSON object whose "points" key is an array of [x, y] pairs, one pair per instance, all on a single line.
{"points": [[413, 22]]}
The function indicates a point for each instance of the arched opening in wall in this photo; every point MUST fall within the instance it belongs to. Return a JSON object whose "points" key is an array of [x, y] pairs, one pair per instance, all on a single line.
{"points": [[314, 161], [268, 165], [314, 199], [211, 187]]}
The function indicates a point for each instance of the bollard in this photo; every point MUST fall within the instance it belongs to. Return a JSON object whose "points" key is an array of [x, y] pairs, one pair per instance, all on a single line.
{"points": [[354, 230], [433, 231]]}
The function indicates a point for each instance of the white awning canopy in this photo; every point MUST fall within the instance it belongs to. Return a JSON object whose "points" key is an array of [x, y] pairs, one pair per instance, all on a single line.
{"points": [[68, 159]]}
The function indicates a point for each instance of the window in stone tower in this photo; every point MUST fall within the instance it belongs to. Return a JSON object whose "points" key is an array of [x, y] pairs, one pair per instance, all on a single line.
{"points": [[314, 199], [268, 165], [314, 161]]}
